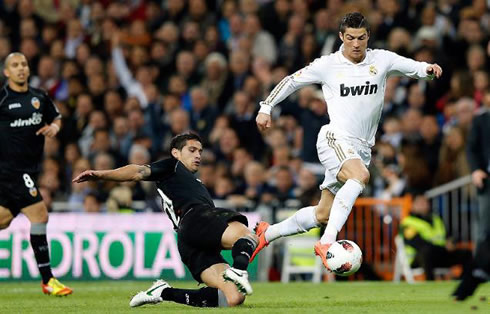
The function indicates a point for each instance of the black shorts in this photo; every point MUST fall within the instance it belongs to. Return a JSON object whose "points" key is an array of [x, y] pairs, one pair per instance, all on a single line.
{"points": [[199, 237], [18, 190]]}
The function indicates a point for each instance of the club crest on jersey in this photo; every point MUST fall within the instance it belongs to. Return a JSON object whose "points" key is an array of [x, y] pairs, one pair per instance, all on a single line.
{"points": [[372, 70], [35, 102], [33, 192]]}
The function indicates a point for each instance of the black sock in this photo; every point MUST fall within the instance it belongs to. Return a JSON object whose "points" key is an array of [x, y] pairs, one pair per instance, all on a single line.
{"points": [[241, 252], [39, 244], [204, 297]]}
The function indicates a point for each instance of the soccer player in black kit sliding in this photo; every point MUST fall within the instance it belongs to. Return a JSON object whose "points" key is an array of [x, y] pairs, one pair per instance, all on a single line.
{"points": [[26, 116], [202, 229]]}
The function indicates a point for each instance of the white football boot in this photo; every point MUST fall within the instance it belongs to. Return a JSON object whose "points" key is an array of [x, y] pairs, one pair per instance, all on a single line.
{"points": [[239, 278], [150, 296]]}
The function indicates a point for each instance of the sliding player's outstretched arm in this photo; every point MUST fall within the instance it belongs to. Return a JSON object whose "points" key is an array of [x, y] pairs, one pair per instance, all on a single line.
{"points": [[310, 74], [126, 173]]}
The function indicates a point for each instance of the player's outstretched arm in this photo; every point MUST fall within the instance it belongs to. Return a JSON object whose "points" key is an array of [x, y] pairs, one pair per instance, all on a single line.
{"points": [[311, 74], [126, 173]]}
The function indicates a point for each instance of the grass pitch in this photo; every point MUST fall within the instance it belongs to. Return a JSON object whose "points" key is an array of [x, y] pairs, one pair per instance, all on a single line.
{"points": [[339, 297]]}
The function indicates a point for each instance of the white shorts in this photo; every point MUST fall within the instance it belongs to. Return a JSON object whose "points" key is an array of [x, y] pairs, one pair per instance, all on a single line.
{"points": [[335, 148]]}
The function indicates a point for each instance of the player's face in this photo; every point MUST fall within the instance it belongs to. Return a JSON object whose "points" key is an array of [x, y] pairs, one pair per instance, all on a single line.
{"points": [[355, 43], [17, 69], [190, 155]]}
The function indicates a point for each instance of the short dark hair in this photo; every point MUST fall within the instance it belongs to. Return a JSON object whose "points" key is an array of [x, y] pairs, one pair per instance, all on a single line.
{"points": [[180, 140], [354, 20]]}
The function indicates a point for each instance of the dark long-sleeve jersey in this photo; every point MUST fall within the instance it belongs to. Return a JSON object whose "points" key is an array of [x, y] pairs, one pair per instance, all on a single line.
{"points": [[21, 116], [178, 187], [478, 147]]}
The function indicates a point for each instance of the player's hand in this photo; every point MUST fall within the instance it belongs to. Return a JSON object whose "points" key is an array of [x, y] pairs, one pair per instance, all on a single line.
{"points": [[87, 175], [477, 177], [264, 121], [49, 130], [434, 69]]}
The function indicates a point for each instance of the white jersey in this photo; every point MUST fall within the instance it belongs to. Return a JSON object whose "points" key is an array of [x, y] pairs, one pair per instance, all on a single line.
{"points": [[354, 92]]}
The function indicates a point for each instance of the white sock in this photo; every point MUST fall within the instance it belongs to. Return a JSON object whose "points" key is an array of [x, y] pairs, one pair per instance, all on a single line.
{"points": [[302, 221], [341, 208]]}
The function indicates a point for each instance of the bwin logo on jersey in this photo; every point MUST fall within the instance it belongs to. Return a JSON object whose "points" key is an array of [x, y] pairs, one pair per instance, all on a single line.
{"points": [[367, 89], [36, 119]]}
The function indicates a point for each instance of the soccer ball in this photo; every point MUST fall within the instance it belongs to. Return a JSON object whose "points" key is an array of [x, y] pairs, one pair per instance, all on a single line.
{"points": [[344, 257]]}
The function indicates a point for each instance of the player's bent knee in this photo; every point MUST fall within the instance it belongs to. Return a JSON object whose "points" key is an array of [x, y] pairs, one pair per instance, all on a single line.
{"points": [[322, 214], [363, 176], [235, 299]]}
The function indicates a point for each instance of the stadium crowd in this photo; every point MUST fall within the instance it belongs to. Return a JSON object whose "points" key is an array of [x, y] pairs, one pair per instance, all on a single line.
{"points": [[129, 75]]}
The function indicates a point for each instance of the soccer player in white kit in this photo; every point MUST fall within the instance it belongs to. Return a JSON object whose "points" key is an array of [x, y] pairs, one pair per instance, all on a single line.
{"points": [[353, 82]]}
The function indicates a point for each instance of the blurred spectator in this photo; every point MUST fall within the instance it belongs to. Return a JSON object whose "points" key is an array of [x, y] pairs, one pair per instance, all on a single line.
{"points": [[179, 123], [223, 188], [464, 109], [414, 168], [425, 240], [288, 47], [431, 141], [97, 120], [242, 119], [202, 114], [461, 85], [392, 128], [478, 154], [255, 187], [284, 186], [227, 144], [207, 176], [239, 69], [78, 191], [131, 86], [91, 203], [220, 125], [307, 189], [275, 16], [241, 158], [120, 200], [215, 78], [312, 119], [411, 122], [263, 44], [452, 158]]}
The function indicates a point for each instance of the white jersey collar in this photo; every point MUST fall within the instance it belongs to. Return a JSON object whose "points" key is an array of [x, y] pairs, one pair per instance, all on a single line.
{"points": [[343, 59]]}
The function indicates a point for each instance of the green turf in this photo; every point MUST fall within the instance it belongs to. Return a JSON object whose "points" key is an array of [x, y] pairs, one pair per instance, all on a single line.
{"points": [[340, 297]]}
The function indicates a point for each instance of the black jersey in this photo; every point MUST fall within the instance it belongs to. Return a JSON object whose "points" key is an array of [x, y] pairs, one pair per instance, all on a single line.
{"points": [[178, 187], [21, 116]]}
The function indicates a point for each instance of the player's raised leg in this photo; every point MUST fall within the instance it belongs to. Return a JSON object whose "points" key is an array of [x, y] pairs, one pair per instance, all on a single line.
{"points": [[355, 175], [301, 221], [38, 216]]}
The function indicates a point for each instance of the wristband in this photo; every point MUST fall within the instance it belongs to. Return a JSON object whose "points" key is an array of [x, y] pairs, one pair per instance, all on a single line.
{"points": [[55, 126], [265, 109]]}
